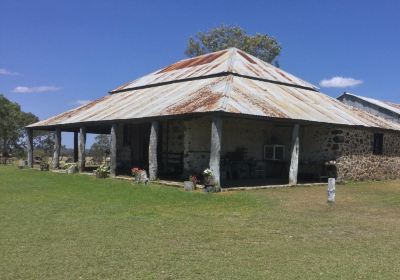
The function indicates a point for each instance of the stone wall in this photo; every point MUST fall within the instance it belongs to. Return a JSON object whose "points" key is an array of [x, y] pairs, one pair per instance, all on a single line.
{"points": [[368, 167], [329, 143], [193, 136], [196, 144], [361, 164], [352, 149]]}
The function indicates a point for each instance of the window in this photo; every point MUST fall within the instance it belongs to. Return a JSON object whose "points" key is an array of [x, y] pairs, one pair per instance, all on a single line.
{"points": [[274, 152], [378, 144]]}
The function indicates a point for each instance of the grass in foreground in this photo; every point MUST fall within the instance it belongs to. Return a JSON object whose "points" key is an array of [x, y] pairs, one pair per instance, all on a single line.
{"points": [[56, 226]]}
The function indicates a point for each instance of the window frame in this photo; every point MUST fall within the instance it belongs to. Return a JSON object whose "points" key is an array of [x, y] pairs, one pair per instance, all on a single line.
{"points": [[274, 147]]}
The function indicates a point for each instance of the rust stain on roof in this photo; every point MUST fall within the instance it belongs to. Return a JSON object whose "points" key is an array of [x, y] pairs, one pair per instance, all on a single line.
{"points": [[283, 75], [68, 114], [228, 93], [243, 96], [248, 58], [204, 59], [226, 61], [253, 69], [203, 100]]}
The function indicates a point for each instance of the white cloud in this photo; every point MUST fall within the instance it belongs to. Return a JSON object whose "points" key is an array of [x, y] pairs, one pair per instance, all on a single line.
{"points": [[4, 71], [340, 82], [23, 89], [82, 102]]}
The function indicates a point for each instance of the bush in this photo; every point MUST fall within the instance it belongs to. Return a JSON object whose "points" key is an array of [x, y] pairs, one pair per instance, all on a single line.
{"points": [[44, 166], [102, 171]]}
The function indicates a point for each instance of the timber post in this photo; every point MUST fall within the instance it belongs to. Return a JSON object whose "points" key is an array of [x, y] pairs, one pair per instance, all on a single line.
{"points": [[76, 153], [215, 149], [82, 153], [113, 150], [29, 146], [153, 164], [294, 160], [57, 148]]}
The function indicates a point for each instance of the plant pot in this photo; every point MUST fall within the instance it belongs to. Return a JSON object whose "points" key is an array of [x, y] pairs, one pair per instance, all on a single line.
{"points": [[189, 186], [209, 181], [141, 177]]}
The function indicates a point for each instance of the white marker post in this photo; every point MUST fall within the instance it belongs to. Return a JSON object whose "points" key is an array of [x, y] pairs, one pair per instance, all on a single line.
{"points": [[331, 190]]}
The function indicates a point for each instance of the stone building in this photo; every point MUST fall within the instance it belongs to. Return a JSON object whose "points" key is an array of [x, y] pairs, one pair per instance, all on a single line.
{"points": [[250, 122], [386, 110]]}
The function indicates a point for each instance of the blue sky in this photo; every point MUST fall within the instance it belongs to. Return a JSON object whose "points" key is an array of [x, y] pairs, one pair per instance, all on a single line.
{"points": [[57, 54]]}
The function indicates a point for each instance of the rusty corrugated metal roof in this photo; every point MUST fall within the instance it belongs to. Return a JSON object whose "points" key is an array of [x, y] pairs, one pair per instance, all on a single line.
{"points": [[247, 86], [227, 61], [395, 108]]}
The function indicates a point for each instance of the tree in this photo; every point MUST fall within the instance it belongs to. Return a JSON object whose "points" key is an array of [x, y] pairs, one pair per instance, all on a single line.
{"points": [[12, 124], [100, 148], [260, 45]]}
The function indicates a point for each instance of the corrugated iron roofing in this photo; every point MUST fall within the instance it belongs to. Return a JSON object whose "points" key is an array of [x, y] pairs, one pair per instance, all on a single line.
{"points": [[283, 97], [395, 108], [227, 61]]}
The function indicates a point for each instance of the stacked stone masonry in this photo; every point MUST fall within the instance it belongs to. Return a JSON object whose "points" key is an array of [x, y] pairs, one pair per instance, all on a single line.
{"points": [[350, 148]]}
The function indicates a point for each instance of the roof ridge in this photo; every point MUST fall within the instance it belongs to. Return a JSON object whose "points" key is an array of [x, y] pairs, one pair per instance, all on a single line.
{"points": [[289, 76]]}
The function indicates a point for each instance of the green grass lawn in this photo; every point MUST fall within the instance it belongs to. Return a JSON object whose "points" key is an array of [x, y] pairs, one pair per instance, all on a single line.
{"points": [[57, 226]]}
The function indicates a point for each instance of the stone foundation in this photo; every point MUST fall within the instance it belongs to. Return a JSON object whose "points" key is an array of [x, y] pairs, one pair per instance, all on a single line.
{"points": [[368, 167]]}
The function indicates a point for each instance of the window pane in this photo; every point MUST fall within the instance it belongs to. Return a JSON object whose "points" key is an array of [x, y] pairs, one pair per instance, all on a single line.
{"points": [[269, 152]]}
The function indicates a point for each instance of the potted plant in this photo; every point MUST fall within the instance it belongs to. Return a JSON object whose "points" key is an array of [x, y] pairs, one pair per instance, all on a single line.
{"points": [[139, 175], [209, 181], [191, 184], [102, 171], [208, 177]]}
